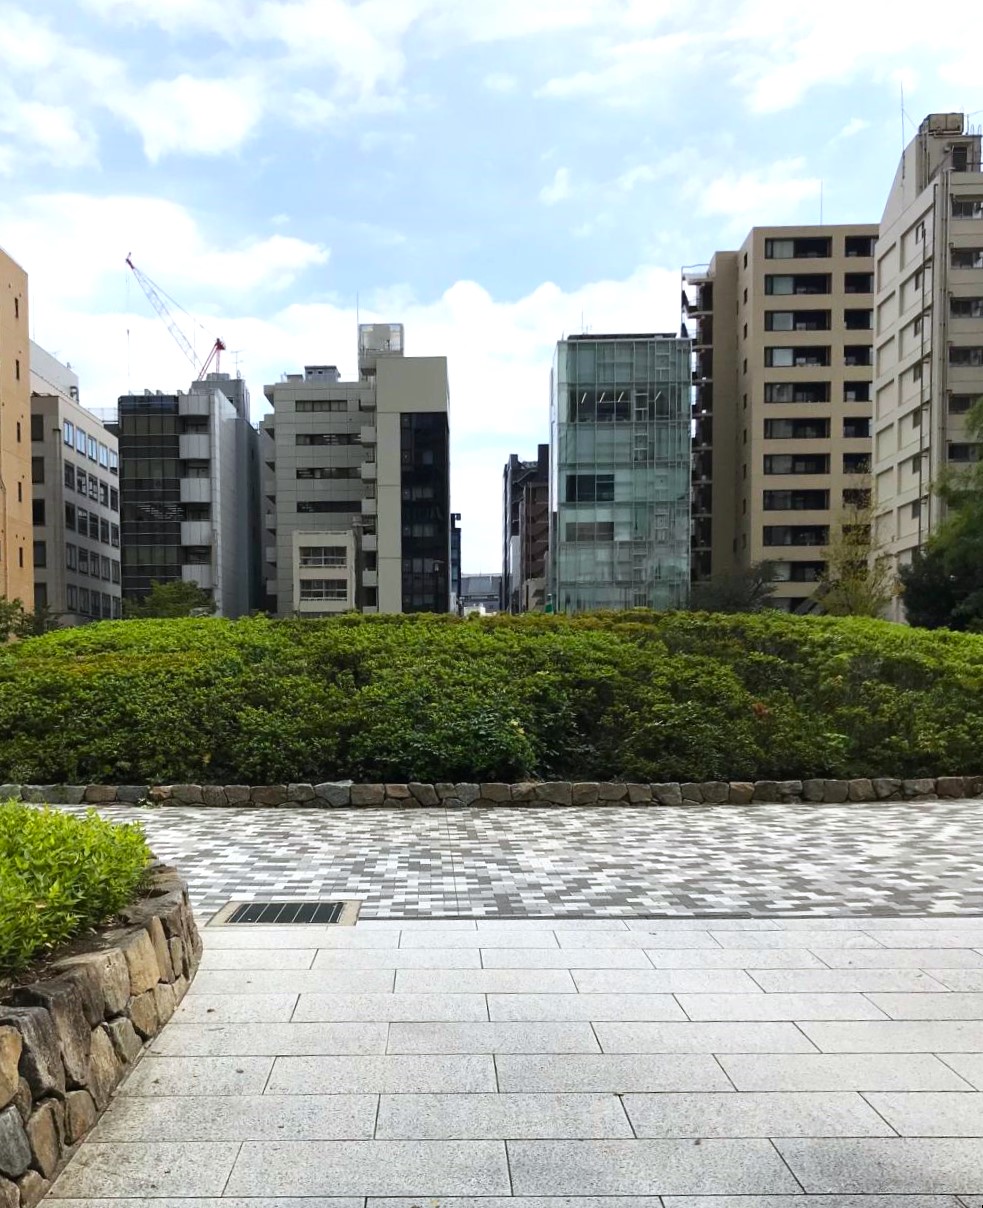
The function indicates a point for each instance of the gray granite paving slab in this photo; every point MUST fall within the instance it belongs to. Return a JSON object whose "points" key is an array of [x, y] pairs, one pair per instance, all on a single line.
{"points": [[702, 1038], [238, 1075], [269, 1039], [966, 1065], [418, 1168], [900, 958], [897, 1036], [528, 1201], [438, 938], [930, 1006], [484, 981], [213, 1202], [257, 958], [800, 939], [576, 1037], [613, 1007], [502, 1116], [235, 1008], [812, 1201], [219, 939], [607, 1072], [330, 959], [246, 1118], [293, 981], [646, 1167], [685, 938], [965, 980], [831, 981], [882, 1165], [564, 958], [908, 937], [948, 1114], [408, 1007], [779, 1006], [841, 1072], [398, 1074], [179, 1168], [834, 1114], [664, 981], [736, 958], [704, 924]]}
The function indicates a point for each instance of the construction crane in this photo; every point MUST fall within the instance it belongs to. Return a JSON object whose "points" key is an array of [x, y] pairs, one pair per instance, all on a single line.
{"points": [[155, 299]]}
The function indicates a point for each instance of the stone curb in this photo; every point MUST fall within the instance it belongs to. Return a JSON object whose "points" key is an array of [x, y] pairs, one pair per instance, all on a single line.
{"points": [[67, 1041], [343, 794]]}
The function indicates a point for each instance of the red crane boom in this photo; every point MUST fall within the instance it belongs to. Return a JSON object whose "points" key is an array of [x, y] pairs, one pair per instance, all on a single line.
{"points": [[182, 341]]}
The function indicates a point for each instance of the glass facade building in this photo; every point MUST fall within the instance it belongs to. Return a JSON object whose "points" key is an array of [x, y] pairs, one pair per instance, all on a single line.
{"points": [[620, 472]]}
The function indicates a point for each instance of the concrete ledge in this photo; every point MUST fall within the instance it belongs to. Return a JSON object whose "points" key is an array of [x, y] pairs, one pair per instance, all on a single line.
{"points": [[344, 794], [67, 1040]]}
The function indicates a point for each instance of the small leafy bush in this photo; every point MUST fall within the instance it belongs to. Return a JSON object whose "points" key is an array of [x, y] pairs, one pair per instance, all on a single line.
{"points": [[60, 874], [636, 695]]}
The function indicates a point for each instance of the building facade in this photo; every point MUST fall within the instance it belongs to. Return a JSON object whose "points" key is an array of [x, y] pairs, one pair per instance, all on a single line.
{"points": [[526, 528], [16, 524], [480, 593], [75, 484], [357, 484], [928, 330], [190, 492], [620, 472], [783, 333]]}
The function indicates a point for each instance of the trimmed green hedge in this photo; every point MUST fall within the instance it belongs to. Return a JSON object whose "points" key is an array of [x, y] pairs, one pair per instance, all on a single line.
{"points": [[60, 874], [635, 695]]}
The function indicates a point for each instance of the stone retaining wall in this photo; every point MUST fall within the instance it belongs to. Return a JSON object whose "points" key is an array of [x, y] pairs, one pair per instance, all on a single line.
{"points": [[67, 1040], [344, 794]]}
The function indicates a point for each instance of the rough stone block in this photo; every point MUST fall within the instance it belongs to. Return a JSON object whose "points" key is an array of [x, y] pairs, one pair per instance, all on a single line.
{"points": [[790, 790], [69, 794], [44, 1132], [495, 791], [80, 1115], [368, 794], [335, 793], [974, 786], [919, 788], [667, 794], [767, 791], [164, 1001], [181, 987], [861, 789], [610, 790], [9, 1194], [15, 1149], [398, 792], [104, 1068], [33, 1188], [716, 792], [639, 794], [423, 794], [466, 793], [176, 948], [269, 794], [10, 1050], [38, 793], [237, 794], [143, 1013], [9, 792], [125, 1040], [835, 791], [214, 795], [886, 789], [690, 791], [187, 794], [40, 1061], [741, 792], [524, 790], [443, 789], [162, 951], [87, 977], [950, 786], [99, 794], [24, 1100], [141, 960], [63, 1002], [584, 792], [159, 794], [452, 803], [812, 790], [297, 794], [131, 792], [555, 792]]}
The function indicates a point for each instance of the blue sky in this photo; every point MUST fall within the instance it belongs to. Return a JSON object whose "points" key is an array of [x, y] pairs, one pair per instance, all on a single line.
{"points": [[491, 173]]}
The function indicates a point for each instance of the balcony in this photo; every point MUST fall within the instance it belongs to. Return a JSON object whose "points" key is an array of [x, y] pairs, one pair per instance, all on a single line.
{"points": [[370, 578], [193, 404], [367, 434], [370, 507], [194, 446], [200, 573], [369, 471], [196, 490], [370, 541], [196, 532]]}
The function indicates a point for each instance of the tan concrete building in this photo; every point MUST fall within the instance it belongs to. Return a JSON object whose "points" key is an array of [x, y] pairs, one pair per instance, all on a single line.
{"points": [[928, 329], [16, 525], [356, 488], [782, 403]]}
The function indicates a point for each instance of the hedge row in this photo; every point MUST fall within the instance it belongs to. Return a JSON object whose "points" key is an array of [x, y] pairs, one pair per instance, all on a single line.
{"points": [[634, 696]]}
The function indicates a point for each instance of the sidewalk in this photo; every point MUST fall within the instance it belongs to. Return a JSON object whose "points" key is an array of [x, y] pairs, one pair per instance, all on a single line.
{"points": [[468, 1062]]}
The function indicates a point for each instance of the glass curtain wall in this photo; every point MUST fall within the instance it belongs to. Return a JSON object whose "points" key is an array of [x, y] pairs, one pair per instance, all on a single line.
{"points": [[620, 472]]}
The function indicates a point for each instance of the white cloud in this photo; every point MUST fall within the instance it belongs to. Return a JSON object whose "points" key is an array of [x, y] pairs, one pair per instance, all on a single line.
{"points": [[559, 189], [52, 134], [768, 195], [628, 72], [192, 116], [856, 125], [500, 81], [640, 174]]}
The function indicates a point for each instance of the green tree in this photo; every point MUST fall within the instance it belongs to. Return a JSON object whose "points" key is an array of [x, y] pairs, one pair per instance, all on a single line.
{"points": [[174, 599], [33, 624], [11, 617], [859, 579], [746, 589]]}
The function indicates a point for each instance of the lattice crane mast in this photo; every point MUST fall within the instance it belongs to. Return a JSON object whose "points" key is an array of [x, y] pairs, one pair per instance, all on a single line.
{"points": [[160, 306]]}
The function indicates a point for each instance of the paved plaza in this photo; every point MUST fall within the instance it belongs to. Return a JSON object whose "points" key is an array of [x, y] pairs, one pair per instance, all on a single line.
{"points": [[602, 1061]]}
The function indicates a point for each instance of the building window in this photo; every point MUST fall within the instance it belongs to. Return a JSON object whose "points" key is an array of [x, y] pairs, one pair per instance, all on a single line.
{"points": [[81, 482], [797, 392], [858, 283], [323, 555], [967, 207], [859, 245], [71, 557], [328, 472], [37, 427], [796, 501], [324, 589], [858, 320], [104, 494], [40, 554], [796, 534], [79, 441], [116, 573], [93, 526], [105, 567], [967, 257], [37, 469], [959, 404], [798, 249], [856, 428], [84, 601], [327, 438], [590, 488], [966, 308], [799, 283], [796, 463], [93, 449], [83, 560], [70, 516], [804, 357], [308, 506], [83, 521], [18, 431], [113, 499], [68, 433], [114, 535], [113, 462], [916, 509], [38, 511], [104, 456], [589, 531], [93, 488], [858, 354], [321, 404], [69, 476], [856, 497], [962, 451], [797, 429], [966, 356], [104, 531], [17, 369], [856, 392], [856, 463], [72, 597], [797, 320], [916, 371]]}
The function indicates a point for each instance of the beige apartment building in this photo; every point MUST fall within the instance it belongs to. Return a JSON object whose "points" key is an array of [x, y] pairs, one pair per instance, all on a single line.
{"points": [[928, 335], [16, 526], [782, 406], [356, 486]]}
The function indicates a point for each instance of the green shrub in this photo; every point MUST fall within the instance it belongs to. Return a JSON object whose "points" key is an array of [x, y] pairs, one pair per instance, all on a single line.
{"points": [[647, 696], [60, 874]]}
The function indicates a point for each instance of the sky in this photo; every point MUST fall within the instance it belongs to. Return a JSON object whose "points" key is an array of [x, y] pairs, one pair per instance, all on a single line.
{"points": [[493, 174]]}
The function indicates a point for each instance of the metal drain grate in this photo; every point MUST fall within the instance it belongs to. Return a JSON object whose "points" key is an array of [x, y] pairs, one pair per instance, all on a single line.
{"points": [[284, 913]]}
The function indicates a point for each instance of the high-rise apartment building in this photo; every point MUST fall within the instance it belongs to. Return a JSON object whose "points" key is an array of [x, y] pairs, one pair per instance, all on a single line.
{"points": [[620, 472], [928, 329], [16, 529], [190, 495], [357, 484], [75, 485], [782, 333], [526, 531]]}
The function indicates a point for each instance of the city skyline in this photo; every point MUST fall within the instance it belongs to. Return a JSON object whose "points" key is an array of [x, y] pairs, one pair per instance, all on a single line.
{"points": [[493, 178]]}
